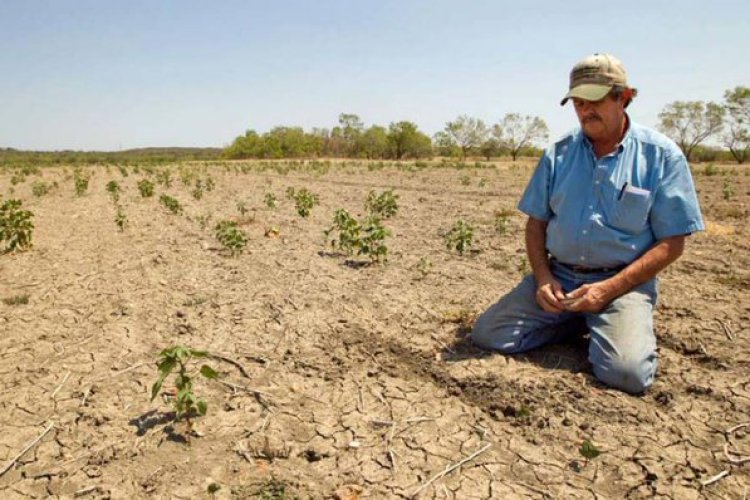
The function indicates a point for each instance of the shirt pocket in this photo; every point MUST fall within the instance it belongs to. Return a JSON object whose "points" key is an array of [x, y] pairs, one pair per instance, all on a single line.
{"points": [[630, 208]]}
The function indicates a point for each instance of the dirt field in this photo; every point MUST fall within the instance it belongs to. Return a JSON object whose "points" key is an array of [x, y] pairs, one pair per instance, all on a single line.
{"points": [[359, 381]]}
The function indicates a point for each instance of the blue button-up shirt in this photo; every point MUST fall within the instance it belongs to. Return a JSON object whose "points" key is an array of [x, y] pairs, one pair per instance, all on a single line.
{"points": [[606, 212]]}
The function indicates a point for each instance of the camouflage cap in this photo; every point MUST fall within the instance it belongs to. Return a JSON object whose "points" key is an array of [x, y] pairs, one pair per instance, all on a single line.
{"points": [[593, 77]]}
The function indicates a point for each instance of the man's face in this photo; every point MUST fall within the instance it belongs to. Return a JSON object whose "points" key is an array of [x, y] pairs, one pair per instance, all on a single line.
{"points": [[600, 120]]}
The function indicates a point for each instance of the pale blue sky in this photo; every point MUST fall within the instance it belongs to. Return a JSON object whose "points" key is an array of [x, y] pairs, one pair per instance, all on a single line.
{"points": [[108, 75]]}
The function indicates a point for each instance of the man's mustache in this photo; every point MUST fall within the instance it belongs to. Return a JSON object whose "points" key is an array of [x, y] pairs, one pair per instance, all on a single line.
{"points": [[591, 118]]}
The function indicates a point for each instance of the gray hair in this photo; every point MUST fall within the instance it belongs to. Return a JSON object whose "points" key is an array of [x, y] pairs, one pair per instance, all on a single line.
{"points": [[618, 90]]}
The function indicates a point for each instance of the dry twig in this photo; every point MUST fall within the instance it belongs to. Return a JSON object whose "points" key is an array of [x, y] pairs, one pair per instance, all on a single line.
{"points": [[27, 448], [65, 379], [717, 477], [450, 469], [241, 368]]}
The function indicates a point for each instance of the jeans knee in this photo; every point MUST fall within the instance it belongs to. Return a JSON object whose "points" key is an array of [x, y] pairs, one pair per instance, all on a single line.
{"points": [[630, 375], [483, 335]]}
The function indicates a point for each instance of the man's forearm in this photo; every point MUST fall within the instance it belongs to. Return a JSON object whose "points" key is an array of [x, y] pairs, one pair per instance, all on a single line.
{"points": [[648, 265], [536, 249]]}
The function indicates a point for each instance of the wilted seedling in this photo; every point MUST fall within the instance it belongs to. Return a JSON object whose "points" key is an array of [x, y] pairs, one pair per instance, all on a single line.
{"points": [[465, 180], [270, 200], [175, 360], [728, 191], [241, 207], [423, 266], [230, 236], [146, 188], [502, 220], [460, 236], [290, 192], [81, 183], [17, 300], [15, 226], [210, 184], [384, 205], [113, 188], [164, 177], [305, 201], [197, 191], [171, 204], [203, 221], [40, 188], [120, 218]]}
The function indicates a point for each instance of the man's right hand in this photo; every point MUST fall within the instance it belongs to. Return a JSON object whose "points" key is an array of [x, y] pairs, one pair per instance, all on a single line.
{"points": [[549, 294]]}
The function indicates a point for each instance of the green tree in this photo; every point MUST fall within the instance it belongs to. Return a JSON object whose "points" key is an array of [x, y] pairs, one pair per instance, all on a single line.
{"points": [[737, 136], [467, 133], [249, 145], [516, 132], [405, 140], [351, 131], [374, 142], [445, 144], [689, 123]]}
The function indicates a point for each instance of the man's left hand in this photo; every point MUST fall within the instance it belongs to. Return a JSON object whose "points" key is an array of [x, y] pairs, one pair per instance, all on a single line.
{"points": [[593, 297]]}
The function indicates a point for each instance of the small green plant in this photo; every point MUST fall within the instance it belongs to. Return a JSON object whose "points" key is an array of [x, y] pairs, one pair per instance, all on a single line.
{"points": [[113, 188], [241, 207], [710, 170], [176, 360], [120, 218], [123, 170], [146, 188], [290, 192], [203, 221], [210, 184], [164, 177], [367, 239], [465, 180], [423, 266], [171, 204], [15, 226], [460, 237], [384, 205], [40, 188], [17, 179], [348, 232], [305, 201], [230, 236], [502, 220], [272, 489], [373, 240], [197, 191], [270, 200], [186, 176], [16, 300], [81, 183], [727, 190]]}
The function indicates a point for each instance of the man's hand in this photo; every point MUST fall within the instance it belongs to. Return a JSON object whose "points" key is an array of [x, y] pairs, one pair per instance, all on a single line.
{"points": [[549, 294], [593, 297]]}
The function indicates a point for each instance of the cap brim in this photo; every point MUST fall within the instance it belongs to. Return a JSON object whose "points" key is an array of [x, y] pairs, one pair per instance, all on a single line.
{"points": [[588, 92]]}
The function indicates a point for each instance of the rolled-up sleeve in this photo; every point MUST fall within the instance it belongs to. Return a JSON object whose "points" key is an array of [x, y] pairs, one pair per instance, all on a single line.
{"points": [[675, 210], [535, 199]]}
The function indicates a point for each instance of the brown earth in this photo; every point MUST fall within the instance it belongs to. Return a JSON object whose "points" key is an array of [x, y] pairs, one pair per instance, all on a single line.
{"points": [[360, 381]]}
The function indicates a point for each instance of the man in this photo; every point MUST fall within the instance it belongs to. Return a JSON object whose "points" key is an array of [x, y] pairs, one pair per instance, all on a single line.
{"points": [[609, 206]]}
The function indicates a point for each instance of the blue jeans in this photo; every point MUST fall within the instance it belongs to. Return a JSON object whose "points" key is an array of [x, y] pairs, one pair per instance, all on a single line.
{"points": [[623, 346]]}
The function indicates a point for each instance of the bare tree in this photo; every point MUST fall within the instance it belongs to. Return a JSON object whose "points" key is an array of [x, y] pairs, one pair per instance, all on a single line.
{"points": [[468, 133], [737, 136], [690, 123], [516, 132]]}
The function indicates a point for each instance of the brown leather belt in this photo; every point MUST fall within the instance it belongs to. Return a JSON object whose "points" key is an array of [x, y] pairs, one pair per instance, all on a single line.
{"points": [[588, 270]]}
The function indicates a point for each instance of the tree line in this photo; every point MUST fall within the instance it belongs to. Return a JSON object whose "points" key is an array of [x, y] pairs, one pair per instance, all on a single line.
{"points": [[689, 123], [462, 137]]}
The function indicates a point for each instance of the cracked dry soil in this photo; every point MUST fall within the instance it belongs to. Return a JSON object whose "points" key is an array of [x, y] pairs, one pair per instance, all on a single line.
{"points": [[356, 381]]}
